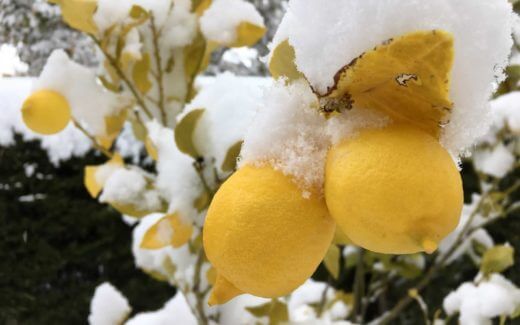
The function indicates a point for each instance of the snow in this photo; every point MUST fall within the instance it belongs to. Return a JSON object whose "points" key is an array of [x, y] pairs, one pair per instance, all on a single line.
{"points": [[298, 136], [89, 101], [60, 147], [506, 111], [220, 21], [177, 180], [108, 306], [10, 63], [175, 311], [479, 303], [154, 260], [110, 13], [289, 134], [230, 105], [310, 293], [241, 55], [335, 32], [130, 187], [496, 162]]}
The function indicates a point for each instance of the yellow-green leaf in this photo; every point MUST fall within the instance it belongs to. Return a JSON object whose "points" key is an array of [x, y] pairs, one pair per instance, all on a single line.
{"points": [[275, 310], [138, 12], [151, 149], [282, 63], [200, 6], [331, 260], [497, 259], [184, 132], [90, 180], [248, 34], [407, 78], [78, 14], [230, 161], [202, 202], [169, 230], [140, 74]]}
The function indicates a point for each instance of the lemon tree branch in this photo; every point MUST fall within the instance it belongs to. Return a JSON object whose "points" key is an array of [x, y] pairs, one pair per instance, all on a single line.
{"points": [[159, 76], [96, 144], [113, 62]]}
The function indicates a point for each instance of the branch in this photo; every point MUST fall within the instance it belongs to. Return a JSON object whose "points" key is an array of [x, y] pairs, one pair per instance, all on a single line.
{"points": [[96, 144], [159, 75], [121, 74]]}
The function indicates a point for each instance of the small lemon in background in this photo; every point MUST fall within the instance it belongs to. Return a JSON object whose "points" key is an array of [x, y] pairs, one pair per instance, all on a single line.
{"points": [[393, 190], [262, 236], [46, 112]]}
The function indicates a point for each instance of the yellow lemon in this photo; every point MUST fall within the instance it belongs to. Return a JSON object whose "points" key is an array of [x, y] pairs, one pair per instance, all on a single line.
{"points": [[262, 236], [46, 112], [394, 190]]}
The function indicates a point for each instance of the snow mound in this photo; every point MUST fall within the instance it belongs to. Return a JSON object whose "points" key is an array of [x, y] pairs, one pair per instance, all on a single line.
{"points": [[220, 21], [108, 306], [335, 32], [477, 304]]}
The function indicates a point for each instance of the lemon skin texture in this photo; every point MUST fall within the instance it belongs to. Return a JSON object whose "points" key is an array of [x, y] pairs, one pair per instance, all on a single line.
{"points": [[262, 236], [46, 112], [393, 190]]}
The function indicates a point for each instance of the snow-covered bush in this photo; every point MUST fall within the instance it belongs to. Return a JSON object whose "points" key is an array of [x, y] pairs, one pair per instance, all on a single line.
{"points": [[144, 96]]}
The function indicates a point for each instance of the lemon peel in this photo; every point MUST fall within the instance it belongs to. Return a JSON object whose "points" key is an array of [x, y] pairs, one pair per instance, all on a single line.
{"points": [[393, 190], [262, 236], [46, 112]]}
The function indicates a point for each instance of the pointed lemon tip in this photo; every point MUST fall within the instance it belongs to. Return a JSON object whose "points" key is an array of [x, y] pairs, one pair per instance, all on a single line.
{"points": [[429, 246], [222, 292]]}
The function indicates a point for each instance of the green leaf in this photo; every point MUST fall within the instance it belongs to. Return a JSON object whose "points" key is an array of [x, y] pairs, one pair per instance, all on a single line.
{"points": [[138, 12], [516, 313], [331, 261], [230, 162], [184, 132], [275, 310], [282, 63], [140, 74], [202, 202], [497, 259]]}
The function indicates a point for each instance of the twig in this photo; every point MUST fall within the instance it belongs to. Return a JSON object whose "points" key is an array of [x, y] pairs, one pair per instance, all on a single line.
{"points": [[122, 75], [96, 144], [196, 289], [159, 76], [323, 301], [359, 287]]}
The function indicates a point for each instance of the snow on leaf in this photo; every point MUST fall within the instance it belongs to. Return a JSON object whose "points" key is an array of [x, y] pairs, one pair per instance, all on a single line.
{"points": [[170, 230], [407, 77], [78, 14]]}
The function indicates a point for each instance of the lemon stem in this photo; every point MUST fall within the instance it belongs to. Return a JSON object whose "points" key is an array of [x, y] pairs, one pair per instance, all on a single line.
{"points": [[96, 144]]}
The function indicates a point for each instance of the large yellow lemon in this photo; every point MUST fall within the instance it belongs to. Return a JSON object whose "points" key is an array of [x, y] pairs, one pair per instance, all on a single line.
{"points": [[262, 236], [46, 112], [393, 190]]}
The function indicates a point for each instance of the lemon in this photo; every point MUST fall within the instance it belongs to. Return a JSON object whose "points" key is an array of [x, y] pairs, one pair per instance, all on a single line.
{"points": [[394, 190], [46, 112], [262, 236]]}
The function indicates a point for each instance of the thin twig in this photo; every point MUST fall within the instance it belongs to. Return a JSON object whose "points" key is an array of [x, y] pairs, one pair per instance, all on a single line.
{"points": [[96, 144], [158, 62], [122, 75]]}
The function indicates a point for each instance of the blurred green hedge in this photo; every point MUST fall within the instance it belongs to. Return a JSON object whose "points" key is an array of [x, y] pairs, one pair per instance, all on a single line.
{"points": [[55, 251]]}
